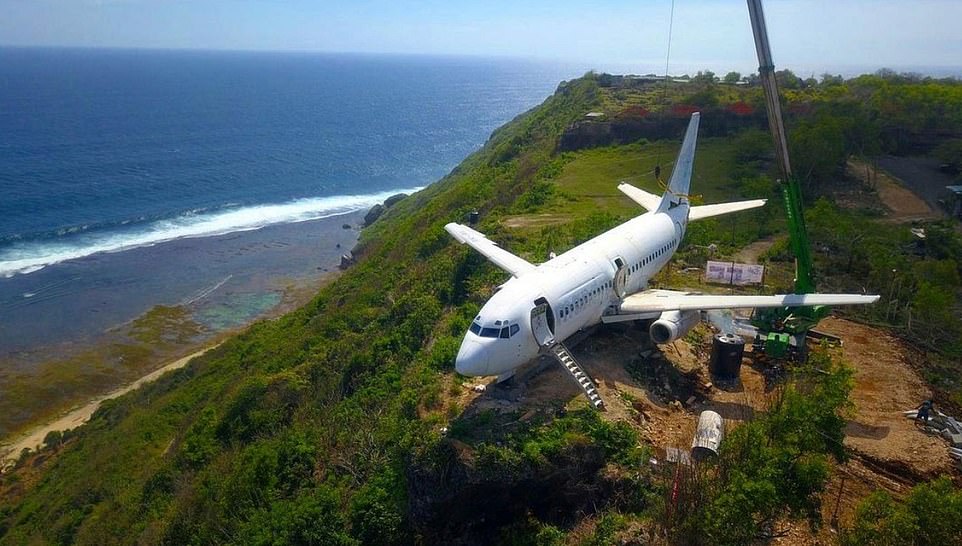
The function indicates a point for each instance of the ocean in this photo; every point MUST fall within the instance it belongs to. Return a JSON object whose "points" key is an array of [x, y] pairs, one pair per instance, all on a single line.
{"points": [[135, 178]]}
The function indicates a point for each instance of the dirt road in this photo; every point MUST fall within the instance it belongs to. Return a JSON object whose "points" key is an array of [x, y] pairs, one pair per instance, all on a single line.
{"points": [[921, 175], [903, 203]]}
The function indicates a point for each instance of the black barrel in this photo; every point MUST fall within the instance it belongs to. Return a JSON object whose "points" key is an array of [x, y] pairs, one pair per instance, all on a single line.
{"points": [[473, 217], [726, 356]]}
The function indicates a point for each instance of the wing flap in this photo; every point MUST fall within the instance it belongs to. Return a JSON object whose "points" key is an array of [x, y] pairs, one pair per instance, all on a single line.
{"points": [[650, 301], [647, 200], [498, 256], [707, 211]]}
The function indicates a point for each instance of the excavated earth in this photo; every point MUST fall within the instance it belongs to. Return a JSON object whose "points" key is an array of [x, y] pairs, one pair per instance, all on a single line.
{"points": [[661, 392]]}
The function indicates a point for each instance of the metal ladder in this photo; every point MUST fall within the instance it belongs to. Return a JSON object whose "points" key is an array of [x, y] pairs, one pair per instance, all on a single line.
{"points": [[560, 352]]}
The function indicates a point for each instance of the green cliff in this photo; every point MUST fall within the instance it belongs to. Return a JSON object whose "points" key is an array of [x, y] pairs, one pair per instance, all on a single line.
{"points": [[344, 422]]}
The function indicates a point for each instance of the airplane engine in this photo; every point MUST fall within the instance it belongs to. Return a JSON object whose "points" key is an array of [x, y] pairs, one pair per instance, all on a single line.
{"points": [[671, 325]]}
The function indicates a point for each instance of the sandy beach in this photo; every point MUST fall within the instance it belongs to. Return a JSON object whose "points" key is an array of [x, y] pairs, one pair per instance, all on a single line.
{"points": [[33, 438]]}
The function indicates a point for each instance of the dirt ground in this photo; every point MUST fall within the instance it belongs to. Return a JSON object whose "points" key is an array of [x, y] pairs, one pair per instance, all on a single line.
{"points": [[902, 203], [921, 175], [33, 438], [750, 253], [885, 386], [887, 450], [535, 220]]}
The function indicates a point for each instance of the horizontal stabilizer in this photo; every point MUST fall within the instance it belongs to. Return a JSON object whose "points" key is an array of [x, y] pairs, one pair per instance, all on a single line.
{"points": [[647, 200], [495, 254], [650, 301], [707, 211]]}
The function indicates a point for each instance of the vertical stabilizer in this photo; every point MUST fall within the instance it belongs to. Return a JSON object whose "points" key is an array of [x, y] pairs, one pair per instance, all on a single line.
{"points": [[677, 191]]}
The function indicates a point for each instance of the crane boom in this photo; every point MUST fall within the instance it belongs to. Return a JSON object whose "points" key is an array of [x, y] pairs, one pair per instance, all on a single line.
{"points": [[779, 325], [791, 191], [766, 72]]}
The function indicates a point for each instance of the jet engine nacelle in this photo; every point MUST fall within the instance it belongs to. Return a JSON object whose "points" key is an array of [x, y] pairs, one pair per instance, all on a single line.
{"points": [[671, 325]]}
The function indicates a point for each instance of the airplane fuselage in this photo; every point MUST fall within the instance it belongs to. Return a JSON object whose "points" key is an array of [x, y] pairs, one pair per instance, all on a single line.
{"points": [[605, 278], [569, 292]]}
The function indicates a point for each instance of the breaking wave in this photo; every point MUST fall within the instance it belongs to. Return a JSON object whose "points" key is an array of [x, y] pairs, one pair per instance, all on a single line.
{"points": [[25, 256]]}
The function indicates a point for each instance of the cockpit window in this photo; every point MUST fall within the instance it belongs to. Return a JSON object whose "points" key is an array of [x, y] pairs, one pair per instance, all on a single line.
{"points": [[503, 332], [509, 331]]}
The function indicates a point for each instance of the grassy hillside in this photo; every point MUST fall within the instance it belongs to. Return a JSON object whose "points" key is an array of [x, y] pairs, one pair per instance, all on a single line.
{"points": [[326, 426], [307, 419]]}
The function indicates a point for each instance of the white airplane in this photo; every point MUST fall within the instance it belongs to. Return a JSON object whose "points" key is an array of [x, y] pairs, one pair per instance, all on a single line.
{"points": [[603, 280]]}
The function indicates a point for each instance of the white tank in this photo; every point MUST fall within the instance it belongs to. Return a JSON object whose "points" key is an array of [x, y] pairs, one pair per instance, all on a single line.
{"points": [[708, 436]]}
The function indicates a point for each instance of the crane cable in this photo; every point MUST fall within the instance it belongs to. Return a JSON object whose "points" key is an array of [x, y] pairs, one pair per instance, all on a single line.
{"points": [[661, 182], [671, 24]]}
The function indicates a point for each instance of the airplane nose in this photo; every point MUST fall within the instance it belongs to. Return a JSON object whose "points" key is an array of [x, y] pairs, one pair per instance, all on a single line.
{"points": [[472, 358]]}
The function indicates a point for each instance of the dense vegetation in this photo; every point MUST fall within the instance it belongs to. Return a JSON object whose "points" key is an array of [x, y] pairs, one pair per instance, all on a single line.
{"points": [[341, 423], [775, 464], [931, 515]]}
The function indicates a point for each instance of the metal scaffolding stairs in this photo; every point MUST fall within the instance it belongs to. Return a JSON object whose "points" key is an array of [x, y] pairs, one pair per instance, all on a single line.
{"points": [[560, 352]]}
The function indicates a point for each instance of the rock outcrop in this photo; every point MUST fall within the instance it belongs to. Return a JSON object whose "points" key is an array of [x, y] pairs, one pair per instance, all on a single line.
{"points": [[377, 210]]}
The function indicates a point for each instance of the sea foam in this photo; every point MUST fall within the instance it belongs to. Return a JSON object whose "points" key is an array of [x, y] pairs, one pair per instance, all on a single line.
{"points": [[27, 256]]}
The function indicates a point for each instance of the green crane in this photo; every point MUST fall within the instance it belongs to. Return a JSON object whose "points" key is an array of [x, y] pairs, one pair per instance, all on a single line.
{"points": [[781, 324]]}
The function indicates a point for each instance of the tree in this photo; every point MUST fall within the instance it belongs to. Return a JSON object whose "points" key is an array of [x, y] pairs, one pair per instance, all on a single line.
{"points": [[310, 518], [879, 521], [817, 148], [706, 76], [933, 310], [53, 439], [706, 98], [787, 79], [828, 80], [950, 152], [930, 516], [773, 466], [375, 518], [733, 77]]}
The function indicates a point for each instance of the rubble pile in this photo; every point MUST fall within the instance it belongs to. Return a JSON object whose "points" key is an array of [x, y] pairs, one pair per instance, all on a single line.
{"points": [[945, 426]]}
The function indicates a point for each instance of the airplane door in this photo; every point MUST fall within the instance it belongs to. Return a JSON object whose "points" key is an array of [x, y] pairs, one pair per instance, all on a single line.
{"points": [[621, 276], [542, 322]]}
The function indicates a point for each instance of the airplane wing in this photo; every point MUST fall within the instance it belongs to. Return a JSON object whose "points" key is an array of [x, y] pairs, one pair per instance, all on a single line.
{"points": [[647, 200], [707, 211], [497, 255], [652, 301]]}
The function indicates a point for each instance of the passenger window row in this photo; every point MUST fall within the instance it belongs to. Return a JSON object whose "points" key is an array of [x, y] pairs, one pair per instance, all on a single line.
{"points": [[595, 292], [651, 257]]}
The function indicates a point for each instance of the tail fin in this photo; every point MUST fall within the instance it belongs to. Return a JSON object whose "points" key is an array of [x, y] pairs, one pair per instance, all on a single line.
{"points": [[680, 181]]}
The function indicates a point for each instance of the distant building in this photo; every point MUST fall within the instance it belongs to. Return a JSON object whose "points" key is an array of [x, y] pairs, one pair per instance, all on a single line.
{"points": [[595, 116]]}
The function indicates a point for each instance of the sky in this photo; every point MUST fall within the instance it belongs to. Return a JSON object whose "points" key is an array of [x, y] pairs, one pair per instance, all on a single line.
{"points": [[809, 36]]}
